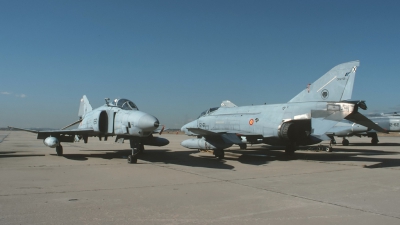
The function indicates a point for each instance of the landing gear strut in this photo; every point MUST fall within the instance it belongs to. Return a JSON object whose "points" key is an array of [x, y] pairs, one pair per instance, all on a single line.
{"points": [[137, 148], [141, 148], [333, 141], [59, 150]]}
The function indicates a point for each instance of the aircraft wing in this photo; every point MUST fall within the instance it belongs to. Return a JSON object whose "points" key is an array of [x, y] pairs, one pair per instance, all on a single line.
{"points": [[27, 130], [363, 120], [56, 132]]}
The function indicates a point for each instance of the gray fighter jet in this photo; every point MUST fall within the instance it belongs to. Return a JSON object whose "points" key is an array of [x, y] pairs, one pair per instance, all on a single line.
{"points": [[303, 120], [120, 118], [390, 122]]}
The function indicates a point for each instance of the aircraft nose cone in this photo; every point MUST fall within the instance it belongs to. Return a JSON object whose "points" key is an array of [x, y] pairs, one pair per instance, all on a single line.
{"points": [[184, 129], [148, 123]]}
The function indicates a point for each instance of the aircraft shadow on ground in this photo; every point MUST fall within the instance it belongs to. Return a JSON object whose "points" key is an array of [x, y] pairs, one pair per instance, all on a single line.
{"points": [[349, 155], [165, 156], [16, 154], [260, 155], [380, 144]]}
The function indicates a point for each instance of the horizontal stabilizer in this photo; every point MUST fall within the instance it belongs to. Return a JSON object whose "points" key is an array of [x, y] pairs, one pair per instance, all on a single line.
{"points": [[359, 118]]}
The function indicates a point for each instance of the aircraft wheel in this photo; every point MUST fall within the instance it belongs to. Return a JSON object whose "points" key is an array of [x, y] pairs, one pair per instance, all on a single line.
{"points": [[345, 142], [59, 150], [220, 154], [290, 149], [328, 149], [132, 159], [243, 146], [374, 141]]}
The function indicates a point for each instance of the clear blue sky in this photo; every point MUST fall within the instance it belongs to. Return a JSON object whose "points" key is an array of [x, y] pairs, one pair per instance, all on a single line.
{"points": [[174, 59]]}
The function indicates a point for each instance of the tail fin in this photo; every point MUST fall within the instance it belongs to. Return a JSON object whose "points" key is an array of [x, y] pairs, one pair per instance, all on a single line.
{"points": [[335, 85], [84, 107]]}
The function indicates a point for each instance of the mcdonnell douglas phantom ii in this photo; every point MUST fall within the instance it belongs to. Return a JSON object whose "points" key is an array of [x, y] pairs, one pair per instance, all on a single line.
{"points": [[120, 118], [389, 122], [303, 120]]}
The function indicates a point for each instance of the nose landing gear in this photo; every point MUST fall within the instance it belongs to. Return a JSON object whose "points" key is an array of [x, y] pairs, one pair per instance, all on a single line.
{"points": [[137, 148]]}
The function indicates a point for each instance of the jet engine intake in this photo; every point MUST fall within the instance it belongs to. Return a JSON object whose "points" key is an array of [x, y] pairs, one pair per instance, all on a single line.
{"points": [[51, 142]]}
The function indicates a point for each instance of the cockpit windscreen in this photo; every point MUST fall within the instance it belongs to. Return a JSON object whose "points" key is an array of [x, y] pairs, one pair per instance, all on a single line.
{"points": [[125, 104], [208, 111]]}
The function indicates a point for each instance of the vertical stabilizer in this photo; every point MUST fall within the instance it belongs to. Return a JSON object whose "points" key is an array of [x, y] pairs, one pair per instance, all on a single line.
{"points": [[335, 85], [84, 107]]}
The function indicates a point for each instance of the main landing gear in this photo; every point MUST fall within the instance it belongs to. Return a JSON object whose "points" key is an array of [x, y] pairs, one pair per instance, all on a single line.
{"points": [[373, 136], [374, 140], [345, 142], [137, 148], [333, 141], [243, 146], [59, 150], [290, 149], [219, 153]]}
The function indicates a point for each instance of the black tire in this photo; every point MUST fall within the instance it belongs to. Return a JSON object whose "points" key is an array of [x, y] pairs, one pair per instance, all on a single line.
{"points": [[289, 152], [220, 154], [290, 149], [243, 146], [374, 141], [132, 159], [328, 149], [345, 142]]}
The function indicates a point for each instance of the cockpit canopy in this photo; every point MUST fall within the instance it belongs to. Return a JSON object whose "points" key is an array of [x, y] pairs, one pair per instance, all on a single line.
{"points": [[125, 104], [208, 111]]}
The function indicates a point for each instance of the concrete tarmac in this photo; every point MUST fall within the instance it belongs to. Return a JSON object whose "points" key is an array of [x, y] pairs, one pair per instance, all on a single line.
{"points": [[93, 184]]}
